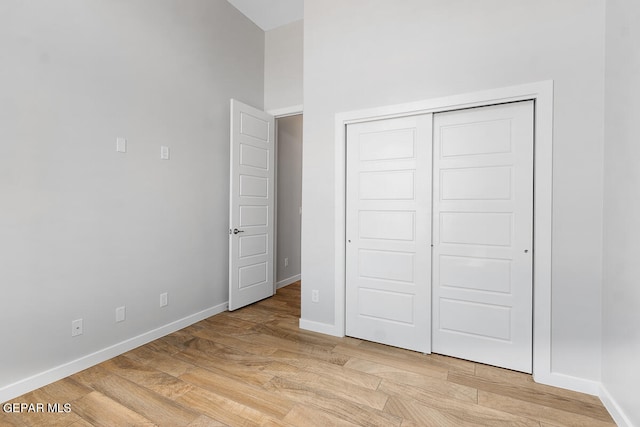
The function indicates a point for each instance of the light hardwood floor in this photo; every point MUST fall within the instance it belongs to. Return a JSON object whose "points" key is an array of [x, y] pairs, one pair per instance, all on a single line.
{"points": [[255, 367]]}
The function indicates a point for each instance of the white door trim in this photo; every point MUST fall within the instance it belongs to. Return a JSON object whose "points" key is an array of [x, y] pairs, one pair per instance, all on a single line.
{"points": [[293, 110], [542, 94]]}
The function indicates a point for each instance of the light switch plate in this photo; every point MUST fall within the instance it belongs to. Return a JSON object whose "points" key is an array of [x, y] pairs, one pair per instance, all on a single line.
{"points": [[121, 145], [120, 314]]}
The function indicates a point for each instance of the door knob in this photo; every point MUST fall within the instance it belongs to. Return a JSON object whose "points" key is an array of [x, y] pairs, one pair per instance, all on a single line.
{"points": [[236, 231]]}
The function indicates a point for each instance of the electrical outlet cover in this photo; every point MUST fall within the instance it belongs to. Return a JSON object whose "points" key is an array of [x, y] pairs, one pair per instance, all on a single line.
{"points": [[76, 328]]}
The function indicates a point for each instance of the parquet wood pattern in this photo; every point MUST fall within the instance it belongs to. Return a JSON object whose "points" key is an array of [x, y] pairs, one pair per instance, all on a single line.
{"points": [[255, 366]]}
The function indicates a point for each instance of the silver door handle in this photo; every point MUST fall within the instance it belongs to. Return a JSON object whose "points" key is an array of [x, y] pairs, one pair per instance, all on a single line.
{"points": [[236, 231]]}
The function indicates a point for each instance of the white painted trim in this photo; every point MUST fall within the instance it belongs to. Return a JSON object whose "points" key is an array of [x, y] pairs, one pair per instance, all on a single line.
{"points": [[322, 328], [274, 245], [340, 162], [542, 93], [616, 412], [289, 280], [286, 111], [41, 379]]}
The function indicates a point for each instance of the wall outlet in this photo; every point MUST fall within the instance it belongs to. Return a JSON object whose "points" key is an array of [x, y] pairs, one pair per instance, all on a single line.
{"points": [[315, 295], [286, 262], [76, 328], [120, 314], [164, 152], [164, 301]]}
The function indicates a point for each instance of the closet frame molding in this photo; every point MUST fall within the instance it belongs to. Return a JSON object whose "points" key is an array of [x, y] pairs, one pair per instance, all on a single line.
{"points": [[542, 95]]}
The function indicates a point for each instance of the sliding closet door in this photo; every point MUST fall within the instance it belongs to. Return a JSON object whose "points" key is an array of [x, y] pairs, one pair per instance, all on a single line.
{"points": [[388, 231], [482, 234]]}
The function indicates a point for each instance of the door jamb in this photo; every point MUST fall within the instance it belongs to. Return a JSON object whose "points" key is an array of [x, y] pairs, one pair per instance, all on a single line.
{"points": [[542, 95]]}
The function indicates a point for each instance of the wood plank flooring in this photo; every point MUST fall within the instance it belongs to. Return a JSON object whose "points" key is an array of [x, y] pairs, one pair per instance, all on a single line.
{"points": [[255, 366]]}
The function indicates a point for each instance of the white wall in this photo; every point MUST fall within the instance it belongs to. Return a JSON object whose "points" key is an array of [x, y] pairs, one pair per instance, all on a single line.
{"points": [[365, 53], [283, 66], [85, 229], [289, 198], [621, 292]]}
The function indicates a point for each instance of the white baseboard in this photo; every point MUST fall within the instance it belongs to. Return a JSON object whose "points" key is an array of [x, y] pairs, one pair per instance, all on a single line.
{"points": [[41, 379], [287, 281], [323, 328], [614, 409], [569, 382]]}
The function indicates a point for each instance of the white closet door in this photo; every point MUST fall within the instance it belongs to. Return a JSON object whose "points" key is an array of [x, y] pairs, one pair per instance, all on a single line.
{"points": [[482, 232], [388, 231]]}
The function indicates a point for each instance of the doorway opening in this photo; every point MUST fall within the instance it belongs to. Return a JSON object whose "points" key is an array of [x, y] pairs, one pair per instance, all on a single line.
{"points": [[288, 199]]}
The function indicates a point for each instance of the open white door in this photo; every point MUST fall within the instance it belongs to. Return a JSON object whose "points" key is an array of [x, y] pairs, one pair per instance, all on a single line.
{"points": [[482, 234], [251, 205], [388, 230]]}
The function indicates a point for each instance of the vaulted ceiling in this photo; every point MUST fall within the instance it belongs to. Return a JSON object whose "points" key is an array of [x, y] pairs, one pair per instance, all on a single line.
{"points": [[270, 14]]}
